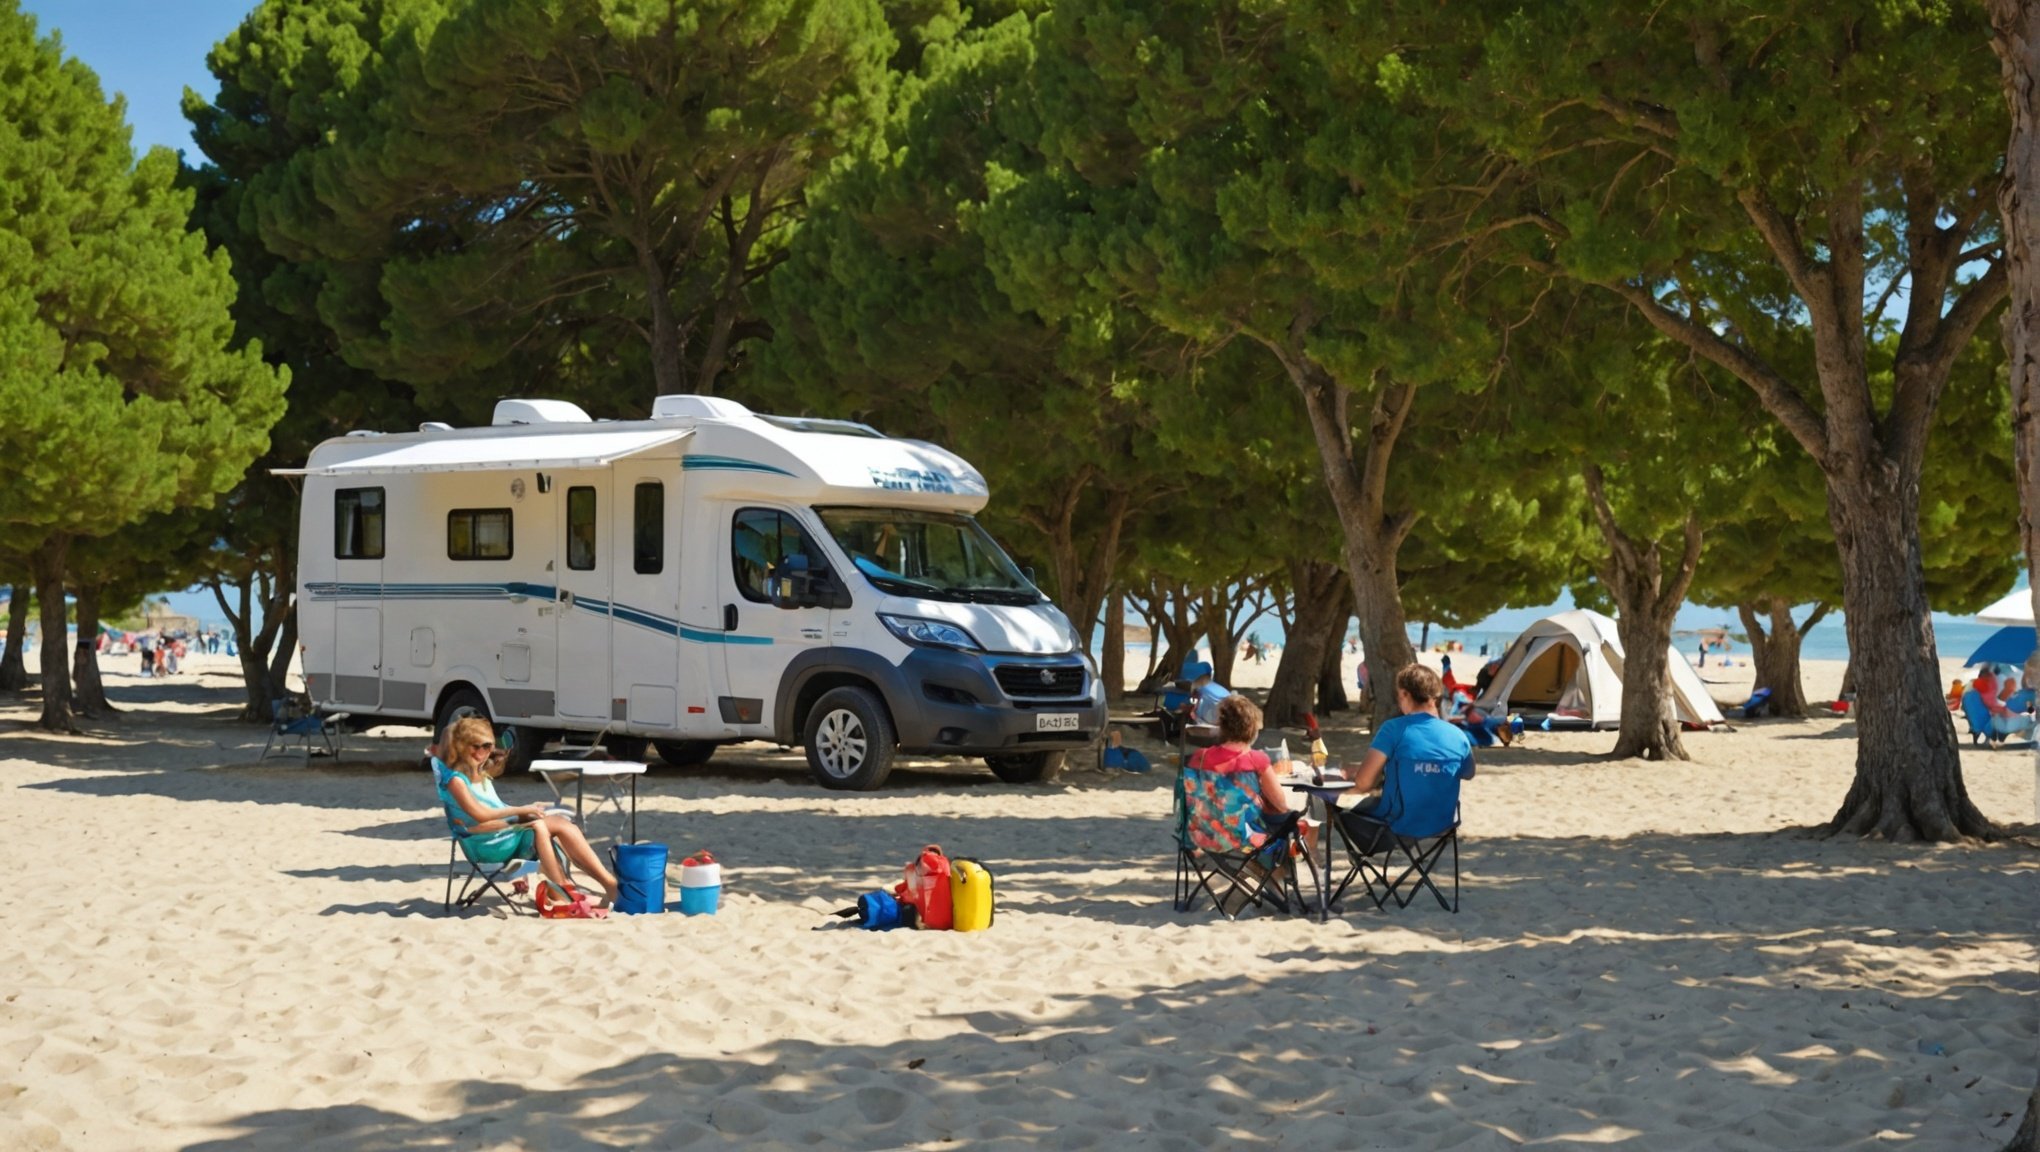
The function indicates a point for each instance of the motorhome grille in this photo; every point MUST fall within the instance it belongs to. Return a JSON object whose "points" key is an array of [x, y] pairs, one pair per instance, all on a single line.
{"points": [[1039, 681]]}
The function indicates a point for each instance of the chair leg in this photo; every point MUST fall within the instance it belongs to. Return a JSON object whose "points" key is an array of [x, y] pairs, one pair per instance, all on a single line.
{"points": [[267, 744], [451, 850]]}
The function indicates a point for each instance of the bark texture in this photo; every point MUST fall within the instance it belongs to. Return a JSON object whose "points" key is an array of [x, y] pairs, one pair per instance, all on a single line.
{"points": [[1082, 570], [1320, 603], [1356, 464], [1774, 646], [1331, 686], [1647, 597], [48, 564], [2015, 26], [88, 691], [13, 669], [255, 645], [1112, 661]]}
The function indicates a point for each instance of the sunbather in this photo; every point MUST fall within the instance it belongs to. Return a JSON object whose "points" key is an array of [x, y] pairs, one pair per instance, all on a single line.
{"points": [[497, 831]]}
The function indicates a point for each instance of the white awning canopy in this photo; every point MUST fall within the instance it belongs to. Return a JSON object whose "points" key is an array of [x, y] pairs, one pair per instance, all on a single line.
{"points": [[498, 453], [2015, 608]]}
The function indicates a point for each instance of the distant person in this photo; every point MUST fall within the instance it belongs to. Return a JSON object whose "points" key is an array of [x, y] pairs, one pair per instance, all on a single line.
{"points": [[1484, 727], [1119, 756], [1205, 694], [1486, 676], [1450, 684], [1955, 690], [145, 646], [1703, 654]]}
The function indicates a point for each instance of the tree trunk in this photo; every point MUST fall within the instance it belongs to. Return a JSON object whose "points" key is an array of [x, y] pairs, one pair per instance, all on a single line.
{"points": [[1215, 616], [1647, 600], [1775, 651], [285, 648], [1320, 607], [48, 564], [90, 698], [1356, 478], [253, 645], [2027, 1138], [1112, 661], [1178, 632], [1908, 782], [13, 671], [664, 330], [2015, 25], [1331, 685]]}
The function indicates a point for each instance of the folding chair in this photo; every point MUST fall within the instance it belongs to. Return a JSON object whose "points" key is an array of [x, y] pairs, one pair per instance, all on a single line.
{"points": [[1212, 860], [1375, 846], [481, 878], [288, 722]]}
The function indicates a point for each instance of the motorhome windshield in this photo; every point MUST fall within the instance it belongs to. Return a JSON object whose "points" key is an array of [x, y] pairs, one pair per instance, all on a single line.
{"points": [[933, 554]]}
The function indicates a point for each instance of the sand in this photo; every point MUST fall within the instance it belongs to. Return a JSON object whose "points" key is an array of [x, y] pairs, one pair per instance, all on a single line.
{"points": [[207, 952]]}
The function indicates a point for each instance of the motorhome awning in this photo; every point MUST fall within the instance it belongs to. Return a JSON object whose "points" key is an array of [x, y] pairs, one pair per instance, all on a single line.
{"points": [[499, 453]]}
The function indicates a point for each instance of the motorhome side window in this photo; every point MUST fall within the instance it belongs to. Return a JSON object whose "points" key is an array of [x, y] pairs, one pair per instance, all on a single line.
{"points": [[648, 528], [478, 534], [358, 524], [581, 529], [759, 539]]}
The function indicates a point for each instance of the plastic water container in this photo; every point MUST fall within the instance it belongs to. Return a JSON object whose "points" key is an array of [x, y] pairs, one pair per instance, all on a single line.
{"points": [[700, 885], [640, 877]]}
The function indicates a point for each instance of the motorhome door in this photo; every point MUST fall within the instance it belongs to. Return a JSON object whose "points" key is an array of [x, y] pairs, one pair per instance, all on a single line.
{"points": [[759, 640], [583, 574], [360, 525]]}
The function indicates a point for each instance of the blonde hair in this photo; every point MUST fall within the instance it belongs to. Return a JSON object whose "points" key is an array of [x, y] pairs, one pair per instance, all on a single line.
{"points": [[465, 733]]}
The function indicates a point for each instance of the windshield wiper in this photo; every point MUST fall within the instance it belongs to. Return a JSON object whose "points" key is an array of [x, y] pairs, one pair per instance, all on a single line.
{"points": [[907, 585]]}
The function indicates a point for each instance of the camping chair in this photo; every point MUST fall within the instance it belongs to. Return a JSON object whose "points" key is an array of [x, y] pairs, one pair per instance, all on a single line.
{"points": [[289, 721], [1213, 860], [1978, 716], [481, 878], [1376, 846]]}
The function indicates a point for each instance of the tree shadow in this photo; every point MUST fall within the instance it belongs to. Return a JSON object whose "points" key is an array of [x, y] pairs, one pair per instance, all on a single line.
{"points": [[1314, 1051]]}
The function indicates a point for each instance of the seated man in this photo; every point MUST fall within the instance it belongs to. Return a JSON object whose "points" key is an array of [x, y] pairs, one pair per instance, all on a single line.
{"points": [[2004, 721], [1417, 760]]}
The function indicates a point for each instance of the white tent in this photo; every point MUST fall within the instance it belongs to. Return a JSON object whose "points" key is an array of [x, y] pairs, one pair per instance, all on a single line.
{"points": [[1576, 658]]}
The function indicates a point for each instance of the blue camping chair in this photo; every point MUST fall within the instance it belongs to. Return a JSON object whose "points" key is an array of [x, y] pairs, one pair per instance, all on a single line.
{"points": [[1978, 716], [288, 722]]}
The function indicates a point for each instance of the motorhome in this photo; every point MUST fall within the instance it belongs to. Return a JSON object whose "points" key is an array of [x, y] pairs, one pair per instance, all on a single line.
{"points": [[701, 578]]}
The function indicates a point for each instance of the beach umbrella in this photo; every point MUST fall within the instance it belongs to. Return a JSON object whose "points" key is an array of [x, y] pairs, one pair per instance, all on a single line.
{"points": [[2006, 646], [2016, 608]]}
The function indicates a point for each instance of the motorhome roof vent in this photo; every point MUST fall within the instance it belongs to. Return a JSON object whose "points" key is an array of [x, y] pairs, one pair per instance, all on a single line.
{"points": [[697, 408], [538, 412], [435, 426], [362, 434]]}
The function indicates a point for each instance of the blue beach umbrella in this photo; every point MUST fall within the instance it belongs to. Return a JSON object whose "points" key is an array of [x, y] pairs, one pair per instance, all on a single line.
{"points": [[2005, 646]]}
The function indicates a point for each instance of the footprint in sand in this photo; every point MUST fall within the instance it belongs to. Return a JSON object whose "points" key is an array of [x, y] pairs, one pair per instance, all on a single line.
{"points": [[881, 1105], [739, 1117]]}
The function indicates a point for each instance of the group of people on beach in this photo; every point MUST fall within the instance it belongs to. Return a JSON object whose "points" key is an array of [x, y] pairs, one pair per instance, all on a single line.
{"points": [[1996, 689]]}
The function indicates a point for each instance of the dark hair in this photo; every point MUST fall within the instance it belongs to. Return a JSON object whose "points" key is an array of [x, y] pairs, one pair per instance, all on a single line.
{"points": [[1238, 719], [1420, 684]]}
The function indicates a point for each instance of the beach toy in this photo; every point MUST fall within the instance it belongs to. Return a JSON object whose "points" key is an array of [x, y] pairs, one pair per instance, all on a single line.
{"points": [[700, 885], [640, 877], [970, 895]]}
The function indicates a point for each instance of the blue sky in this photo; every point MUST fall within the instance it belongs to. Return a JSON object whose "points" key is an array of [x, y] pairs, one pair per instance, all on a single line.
{"points": [[148, 50]]}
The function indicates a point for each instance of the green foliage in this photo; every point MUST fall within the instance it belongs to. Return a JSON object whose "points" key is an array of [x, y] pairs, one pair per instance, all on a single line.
{"points": [[573, 194], [119, 393]]}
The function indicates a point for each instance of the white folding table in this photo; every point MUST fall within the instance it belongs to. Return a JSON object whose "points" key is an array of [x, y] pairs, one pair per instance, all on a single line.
{"points": [[610, 772]]}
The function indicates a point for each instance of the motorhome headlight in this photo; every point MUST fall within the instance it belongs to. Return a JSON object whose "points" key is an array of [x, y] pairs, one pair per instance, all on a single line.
{"points": [[929, 633]]}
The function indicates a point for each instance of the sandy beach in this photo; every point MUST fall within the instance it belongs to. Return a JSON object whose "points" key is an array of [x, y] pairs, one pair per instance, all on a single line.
{"points": [[207, 952]]}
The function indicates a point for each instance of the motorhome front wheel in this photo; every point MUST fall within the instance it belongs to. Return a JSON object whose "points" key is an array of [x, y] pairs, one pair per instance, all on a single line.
{"points": [[849, 740]]}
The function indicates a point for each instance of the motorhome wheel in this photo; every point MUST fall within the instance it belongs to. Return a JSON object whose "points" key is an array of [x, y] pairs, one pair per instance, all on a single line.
{"points": [[522, 741], [1026, 767], [849, 740], [685, 753], [626, 747]]}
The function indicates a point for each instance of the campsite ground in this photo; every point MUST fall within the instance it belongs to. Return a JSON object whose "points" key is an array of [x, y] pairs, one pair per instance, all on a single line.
{"points": [[208, 952]]}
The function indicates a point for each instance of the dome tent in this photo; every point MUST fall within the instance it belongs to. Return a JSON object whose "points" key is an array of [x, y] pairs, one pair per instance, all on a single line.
{"points": [[1575, 658]]}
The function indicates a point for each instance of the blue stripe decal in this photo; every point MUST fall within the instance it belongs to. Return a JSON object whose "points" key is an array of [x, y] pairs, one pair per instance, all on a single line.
{"points": [[727, 464], [651, 621]]}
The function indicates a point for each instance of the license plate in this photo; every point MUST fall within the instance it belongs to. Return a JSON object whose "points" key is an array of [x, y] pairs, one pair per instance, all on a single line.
{"points": [[1055, 722]]}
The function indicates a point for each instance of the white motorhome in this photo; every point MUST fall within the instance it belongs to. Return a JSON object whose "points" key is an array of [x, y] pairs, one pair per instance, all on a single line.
{"points": [[703, 577]]}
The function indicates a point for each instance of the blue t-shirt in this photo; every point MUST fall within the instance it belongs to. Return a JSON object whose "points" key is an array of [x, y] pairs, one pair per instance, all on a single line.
{"points": [[1427, 758], [1207, 698]]}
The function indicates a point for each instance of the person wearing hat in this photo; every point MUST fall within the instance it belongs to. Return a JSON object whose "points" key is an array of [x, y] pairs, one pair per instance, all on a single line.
{"points": [[1205, 693]]}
